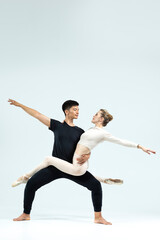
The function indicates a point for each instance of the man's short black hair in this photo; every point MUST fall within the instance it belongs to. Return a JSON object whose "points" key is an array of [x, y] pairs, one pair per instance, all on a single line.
{"points": [[68, 104]]}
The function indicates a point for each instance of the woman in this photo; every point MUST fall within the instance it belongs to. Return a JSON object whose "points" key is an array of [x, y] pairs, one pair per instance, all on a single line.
{"points": [[87, 142]]}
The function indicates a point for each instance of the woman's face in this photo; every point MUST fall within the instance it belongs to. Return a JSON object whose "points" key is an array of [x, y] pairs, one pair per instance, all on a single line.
{"points": [[97, 118]]}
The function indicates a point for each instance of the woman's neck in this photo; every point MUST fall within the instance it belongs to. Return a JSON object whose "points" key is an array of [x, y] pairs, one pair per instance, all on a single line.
{"points": [[98, 125]]}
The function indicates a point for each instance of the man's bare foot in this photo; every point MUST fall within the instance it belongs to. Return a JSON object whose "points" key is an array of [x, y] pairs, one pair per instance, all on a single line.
{"points": [[101, 220], [22, 217]]}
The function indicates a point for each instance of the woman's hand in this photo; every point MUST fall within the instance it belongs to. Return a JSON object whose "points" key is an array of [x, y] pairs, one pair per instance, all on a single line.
{"points": [[147, 150], [13, 102]]}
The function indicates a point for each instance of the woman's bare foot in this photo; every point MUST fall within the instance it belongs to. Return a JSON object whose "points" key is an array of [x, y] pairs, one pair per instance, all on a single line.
{"points": [[99, 219], [22, 217]]}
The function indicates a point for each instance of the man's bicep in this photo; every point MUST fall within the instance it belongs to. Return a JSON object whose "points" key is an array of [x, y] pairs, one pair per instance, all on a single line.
{"points": [[44, 119], [49, 123]]}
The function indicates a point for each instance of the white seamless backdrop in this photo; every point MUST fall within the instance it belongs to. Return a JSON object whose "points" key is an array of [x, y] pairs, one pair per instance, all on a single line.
{"points": [[104, 54]]}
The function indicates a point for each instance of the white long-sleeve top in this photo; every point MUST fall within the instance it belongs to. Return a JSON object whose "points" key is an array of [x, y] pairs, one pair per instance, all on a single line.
{"points": [[96, 135]]}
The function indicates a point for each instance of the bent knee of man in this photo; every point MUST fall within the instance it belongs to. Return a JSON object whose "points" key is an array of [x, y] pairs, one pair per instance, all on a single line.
{"points": [[96, 186], [31, 183]]}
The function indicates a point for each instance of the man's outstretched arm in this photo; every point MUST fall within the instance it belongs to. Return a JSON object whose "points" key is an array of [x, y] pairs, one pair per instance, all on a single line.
{"points": [[34, 113]]}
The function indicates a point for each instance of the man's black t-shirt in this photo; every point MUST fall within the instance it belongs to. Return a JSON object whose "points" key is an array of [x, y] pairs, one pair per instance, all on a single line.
{"points": [[65, 139]]}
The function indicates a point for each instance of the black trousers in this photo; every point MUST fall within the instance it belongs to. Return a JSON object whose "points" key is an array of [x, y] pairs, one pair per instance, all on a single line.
{"points": [[50, 174]]}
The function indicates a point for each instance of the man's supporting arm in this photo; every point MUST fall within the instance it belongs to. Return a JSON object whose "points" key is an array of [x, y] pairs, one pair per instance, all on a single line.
{"points": [[84, 158], [34, 113]]}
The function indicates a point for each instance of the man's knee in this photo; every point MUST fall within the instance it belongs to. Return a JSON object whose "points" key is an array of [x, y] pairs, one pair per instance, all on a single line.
{"points": [[32, 183], [96, 186]]}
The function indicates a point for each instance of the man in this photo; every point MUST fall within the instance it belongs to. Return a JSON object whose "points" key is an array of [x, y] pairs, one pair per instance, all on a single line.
{"points": [[66, 137]]}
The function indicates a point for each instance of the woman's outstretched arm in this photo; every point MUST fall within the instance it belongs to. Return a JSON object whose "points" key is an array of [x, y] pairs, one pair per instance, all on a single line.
{"points": [[147, 150], [124, 142], [34, 113]]}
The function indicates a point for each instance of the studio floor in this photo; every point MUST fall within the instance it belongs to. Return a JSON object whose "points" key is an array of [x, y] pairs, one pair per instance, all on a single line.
{"points": [[72, 227]]}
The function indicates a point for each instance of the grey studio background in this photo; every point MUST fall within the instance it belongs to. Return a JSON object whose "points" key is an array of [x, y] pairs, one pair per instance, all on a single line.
{"points": [[104, 54]]}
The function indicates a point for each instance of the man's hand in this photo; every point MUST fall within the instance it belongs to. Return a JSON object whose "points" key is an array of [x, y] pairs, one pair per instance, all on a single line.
{"points": [[13, 102], [84, 158], [34, 113]]}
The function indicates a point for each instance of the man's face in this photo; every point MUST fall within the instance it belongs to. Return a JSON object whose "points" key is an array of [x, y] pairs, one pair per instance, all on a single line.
{"points": [[73, 112]]}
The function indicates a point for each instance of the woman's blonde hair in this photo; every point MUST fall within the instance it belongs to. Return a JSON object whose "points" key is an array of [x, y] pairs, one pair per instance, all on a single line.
{"points": [[107, 117]]}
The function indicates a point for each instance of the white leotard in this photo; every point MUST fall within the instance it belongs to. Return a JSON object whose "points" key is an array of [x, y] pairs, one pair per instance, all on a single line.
{"points": [[90, 139], [96, 135]]}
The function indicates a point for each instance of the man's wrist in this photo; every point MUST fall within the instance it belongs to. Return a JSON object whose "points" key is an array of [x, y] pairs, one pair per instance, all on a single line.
{"points": [[20, 105]]}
